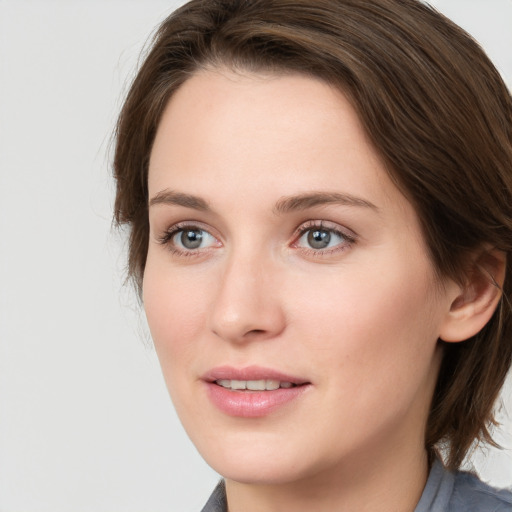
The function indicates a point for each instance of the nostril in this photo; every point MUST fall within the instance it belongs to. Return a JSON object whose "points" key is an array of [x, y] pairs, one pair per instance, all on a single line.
{"points": [[254, 333]]}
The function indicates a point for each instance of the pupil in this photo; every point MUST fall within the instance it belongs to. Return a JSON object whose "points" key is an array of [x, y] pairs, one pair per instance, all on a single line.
{"points": [[319, 239], [191, 239]]}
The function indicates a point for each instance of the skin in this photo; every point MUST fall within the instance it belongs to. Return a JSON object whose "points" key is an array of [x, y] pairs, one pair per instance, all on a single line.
{"points": [[358, 320]]}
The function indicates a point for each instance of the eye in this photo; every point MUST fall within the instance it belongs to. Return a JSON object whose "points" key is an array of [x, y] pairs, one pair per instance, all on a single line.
{"points": [[191, 239], [319, 238], [184, 240]]}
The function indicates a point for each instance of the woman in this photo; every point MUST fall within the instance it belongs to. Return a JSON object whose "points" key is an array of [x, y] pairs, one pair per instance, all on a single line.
{"points": [[320, 201]]}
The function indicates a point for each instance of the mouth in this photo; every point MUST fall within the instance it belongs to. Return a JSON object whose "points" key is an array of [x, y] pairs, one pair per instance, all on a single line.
{"points": [[254, 385], [252, 378], [252, 392]]}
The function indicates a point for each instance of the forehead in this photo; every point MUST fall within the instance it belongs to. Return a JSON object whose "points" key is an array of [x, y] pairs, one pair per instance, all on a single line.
{"points": [[246, 124]]}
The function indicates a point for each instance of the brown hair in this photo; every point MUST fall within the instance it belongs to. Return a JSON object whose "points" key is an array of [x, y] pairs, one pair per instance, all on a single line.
{"points": [[431, 102]]}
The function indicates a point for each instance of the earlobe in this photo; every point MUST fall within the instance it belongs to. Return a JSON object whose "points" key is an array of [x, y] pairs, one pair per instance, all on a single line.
{"points": [[474, 306]]}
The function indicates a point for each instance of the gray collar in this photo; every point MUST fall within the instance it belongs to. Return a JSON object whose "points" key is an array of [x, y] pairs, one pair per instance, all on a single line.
{"points": [[217, 501]]}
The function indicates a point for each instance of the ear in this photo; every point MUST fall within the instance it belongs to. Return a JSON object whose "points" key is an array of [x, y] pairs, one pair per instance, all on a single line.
{"points": [[477, 299]]}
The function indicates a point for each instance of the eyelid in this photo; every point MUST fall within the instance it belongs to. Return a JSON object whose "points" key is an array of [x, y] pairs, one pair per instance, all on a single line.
{"points": [[327, 226], [165, 238], [349, 236]]}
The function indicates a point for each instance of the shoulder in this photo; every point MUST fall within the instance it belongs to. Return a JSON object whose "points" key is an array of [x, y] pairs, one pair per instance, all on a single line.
{"points": [[461, 491], [470, 494]]}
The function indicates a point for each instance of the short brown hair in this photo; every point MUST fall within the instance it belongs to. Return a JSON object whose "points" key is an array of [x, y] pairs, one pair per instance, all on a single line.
{"points": [[434, 107]]}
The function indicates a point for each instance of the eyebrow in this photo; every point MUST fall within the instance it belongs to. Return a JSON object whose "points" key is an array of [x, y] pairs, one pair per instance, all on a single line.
{"points": [[171, 197], [310, 200], [283, 205]]}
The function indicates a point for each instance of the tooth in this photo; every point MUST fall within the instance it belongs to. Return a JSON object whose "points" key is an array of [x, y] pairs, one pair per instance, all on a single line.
{"points": [[270, 385], [256, 385], [253, 385], [238, 384]]}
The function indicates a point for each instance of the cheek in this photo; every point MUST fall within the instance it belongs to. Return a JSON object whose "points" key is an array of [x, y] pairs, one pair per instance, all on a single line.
{"points": [[371, 325], [175, 310], [371, 344]]}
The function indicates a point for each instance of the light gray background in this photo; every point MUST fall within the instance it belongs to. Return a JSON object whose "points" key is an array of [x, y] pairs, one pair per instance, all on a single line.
{"points": [[85, 421]]}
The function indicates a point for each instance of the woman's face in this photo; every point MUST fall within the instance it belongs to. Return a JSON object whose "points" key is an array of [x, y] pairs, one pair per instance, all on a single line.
{"points": [[282, 256]]}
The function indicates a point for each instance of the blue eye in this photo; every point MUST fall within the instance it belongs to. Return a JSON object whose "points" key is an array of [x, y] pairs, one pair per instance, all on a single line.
{"points": [[319, 238], [190, 239]]}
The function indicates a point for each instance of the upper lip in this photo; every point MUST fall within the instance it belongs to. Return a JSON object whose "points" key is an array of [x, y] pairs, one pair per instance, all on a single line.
{"points": [[250, 373]]}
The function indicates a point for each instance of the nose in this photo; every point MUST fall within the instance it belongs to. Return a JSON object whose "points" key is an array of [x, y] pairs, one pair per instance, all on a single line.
{"points": [[247, 305]]}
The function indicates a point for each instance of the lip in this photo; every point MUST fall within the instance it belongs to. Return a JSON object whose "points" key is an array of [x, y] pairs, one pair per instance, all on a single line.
{"points": [[251, 404], [250, 373]]}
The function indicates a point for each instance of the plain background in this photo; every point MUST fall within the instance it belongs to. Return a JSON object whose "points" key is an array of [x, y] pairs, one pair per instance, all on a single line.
{"points": [[85, 420]]}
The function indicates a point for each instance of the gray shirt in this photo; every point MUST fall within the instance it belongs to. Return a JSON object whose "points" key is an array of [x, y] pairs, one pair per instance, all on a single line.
{"points": [[444, 492]]}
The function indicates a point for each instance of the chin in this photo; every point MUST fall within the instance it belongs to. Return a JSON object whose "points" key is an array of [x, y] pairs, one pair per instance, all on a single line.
{"points": [[254, 461], [270, 472]]}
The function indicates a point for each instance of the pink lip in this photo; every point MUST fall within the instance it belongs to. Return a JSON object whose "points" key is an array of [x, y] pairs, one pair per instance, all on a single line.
{"points": [[249, 373], [251, 404]]}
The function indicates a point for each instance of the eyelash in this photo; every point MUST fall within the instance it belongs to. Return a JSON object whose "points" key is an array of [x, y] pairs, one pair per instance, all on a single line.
{"points": [[349, 238], [167, 236]]}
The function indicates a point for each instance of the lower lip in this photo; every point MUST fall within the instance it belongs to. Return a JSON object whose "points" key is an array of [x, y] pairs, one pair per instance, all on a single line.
{"points": [[252, 404]]}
